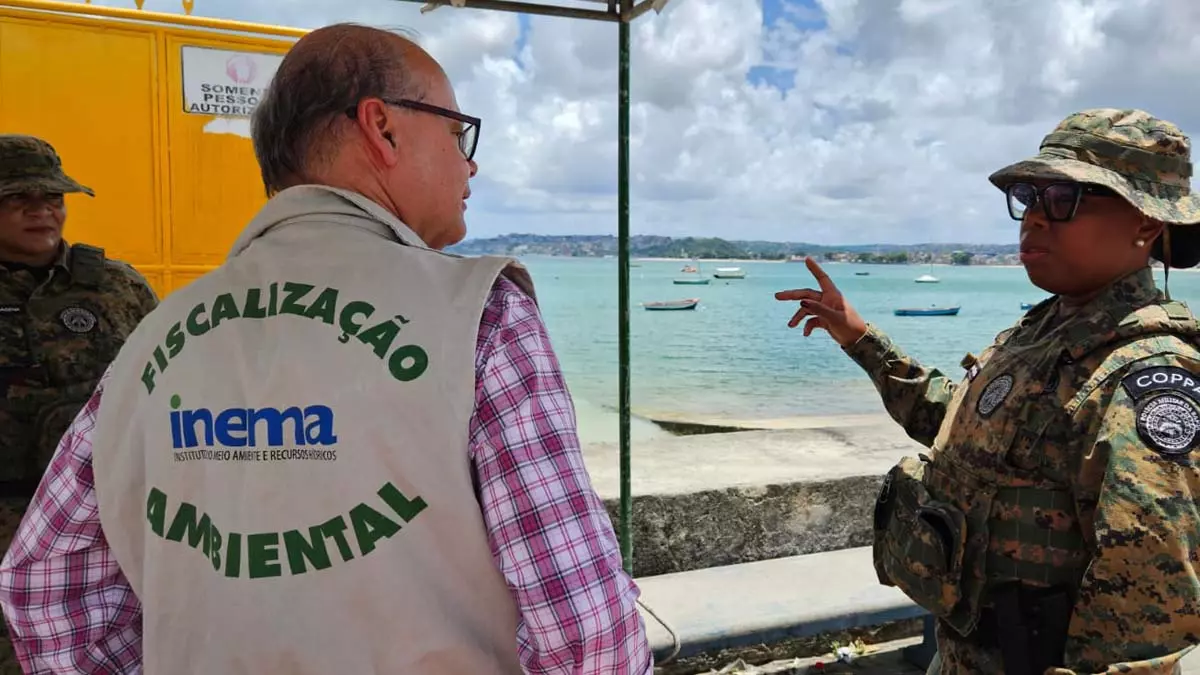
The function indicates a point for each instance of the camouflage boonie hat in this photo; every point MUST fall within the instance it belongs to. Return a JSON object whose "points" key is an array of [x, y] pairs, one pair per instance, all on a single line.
{"points": [[1144, 159], [29, 164]]}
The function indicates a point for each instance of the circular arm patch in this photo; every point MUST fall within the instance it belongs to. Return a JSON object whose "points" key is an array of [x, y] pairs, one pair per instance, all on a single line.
{"points": [[1169, 423], [77, 319], [994, 394]]}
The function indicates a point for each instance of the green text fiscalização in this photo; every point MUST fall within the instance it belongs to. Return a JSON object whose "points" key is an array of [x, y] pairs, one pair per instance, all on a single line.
{"points": [[405, 362]]}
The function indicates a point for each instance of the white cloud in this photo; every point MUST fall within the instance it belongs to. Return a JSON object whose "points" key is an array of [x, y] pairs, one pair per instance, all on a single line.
{"points": [[890, 117]]}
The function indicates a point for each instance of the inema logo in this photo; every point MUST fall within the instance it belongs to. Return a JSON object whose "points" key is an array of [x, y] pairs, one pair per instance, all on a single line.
{"points": [[251, 427]]}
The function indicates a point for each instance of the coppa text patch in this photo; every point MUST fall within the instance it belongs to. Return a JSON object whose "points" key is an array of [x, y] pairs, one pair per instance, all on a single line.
{"points": [[1157, 378]]}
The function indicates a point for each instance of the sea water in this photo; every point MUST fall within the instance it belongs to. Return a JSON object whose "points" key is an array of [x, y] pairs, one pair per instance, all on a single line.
{"points": [[734, 356]]}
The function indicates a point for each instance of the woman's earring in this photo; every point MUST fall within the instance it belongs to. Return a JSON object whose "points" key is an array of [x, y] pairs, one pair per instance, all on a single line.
{"points": [[1139, 243]]}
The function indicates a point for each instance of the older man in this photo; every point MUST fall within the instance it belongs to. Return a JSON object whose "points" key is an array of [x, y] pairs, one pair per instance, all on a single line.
{"points": [[342, 451], [64, 313]]}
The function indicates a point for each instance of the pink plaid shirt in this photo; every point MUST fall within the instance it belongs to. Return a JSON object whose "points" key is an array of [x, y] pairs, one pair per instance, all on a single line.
{"points": [[69, 608]]}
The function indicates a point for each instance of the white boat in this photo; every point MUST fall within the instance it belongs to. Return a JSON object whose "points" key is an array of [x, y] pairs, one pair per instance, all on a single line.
{"points": [[729, 273], [669, 305], [927, 278]]}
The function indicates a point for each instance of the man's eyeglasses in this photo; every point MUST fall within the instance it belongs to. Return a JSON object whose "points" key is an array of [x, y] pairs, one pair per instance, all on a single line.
{"points": [[468, 136], [1059, 200]]}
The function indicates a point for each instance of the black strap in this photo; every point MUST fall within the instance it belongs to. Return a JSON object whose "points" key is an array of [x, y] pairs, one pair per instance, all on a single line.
{"points": [[87, 264]]}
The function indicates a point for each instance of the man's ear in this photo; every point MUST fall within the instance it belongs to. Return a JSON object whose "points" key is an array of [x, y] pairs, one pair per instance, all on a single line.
{"points": [[378, 129]]}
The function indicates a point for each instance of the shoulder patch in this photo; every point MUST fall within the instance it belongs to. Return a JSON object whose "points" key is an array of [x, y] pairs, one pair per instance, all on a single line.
{"points": [[994, 394], [1142, 383], [77, 319], [1168, 423]]}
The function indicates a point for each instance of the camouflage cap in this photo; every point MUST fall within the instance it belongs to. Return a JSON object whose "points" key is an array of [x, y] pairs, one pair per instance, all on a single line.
{"points": [[1144, 159], [29, 164]]}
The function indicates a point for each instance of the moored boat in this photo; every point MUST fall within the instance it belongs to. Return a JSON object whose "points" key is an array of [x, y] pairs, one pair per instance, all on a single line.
{"points": [[927, 311], [729, 273], [689, 303]]}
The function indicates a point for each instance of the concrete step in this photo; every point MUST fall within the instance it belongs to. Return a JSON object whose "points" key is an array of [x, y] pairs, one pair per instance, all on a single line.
{"points": [[766, 602], [722, 609]]}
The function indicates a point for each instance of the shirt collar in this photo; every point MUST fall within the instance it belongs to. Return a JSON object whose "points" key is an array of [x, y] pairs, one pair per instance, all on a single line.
{"points": [[306, 201]]}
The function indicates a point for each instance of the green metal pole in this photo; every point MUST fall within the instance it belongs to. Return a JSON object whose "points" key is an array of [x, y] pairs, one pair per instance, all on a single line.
{"points": [[623, 295]]}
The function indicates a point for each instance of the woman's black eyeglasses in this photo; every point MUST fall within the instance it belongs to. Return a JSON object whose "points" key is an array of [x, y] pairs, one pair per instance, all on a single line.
{"points": [[1059, 200], [468, 136]]}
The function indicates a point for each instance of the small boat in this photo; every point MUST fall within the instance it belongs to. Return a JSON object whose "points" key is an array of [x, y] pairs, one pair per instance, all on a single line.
{"points": [[689, 303], [1026, 305], [729, 273], [689, 269], [927, 278], [690, 281], [862, 274], [928, 311]]}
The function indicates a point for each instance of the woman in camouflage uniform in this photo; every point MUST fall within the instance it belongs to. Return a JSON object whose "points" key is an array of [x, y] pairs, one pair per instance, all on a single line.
{"points": [[1053, 525], [65, 311]]}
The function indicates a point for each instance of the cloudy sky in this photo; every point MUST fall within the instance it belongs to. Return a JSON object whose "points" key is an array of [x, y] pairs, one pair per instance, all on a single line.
{"points": [[829, 121]]}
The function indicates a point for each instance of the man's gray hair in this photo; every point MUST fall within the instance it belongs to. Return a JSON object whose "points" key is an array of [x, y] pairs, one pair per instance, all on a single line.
{"points": [[326, 73]]}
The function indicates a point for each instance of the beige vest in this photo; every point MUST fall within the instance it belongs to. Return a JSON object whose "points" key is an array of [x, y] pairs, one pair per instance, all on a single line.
{"points": [[281, 456]]}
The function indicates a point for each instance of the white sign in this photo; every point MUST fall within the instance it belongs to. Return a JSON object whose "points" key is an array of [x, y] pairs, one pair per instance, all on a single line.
{"points": [[225, 83]]}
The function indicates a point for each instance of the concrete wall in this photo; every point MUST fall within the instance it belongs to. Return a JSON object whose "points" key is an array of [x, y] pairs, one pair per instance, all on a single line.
{"points": [[707, 500]]}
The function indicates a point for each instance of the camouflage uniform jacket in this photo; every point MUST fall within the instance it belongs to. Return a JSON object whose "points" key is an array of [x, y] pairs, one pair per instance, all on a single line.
{"points": [[1095, 414], [58, 333]]}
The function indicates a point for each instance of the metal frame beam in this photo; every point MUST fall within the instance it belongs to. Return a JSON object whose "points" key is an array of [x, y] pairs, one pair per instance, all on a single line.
{"points": [[623, 383], [616, 10], [157, 17], [621, 12]]}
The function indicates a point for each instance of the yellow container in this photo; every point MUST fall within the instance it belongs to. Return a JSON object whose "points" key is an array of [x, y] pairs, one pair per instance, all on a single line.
{"points": [[150, 111]]}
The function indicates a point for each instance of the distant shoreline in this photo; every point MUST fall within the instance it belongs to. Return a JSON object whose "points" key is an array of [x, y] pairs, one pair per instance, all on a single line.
{"points": [[701, 261], [823, 263], [704, 261]]}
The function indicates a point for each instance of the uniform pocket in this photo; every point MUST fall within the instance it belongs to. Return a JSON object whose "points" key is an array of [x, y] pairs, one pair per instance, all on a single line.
{"points": [[919, 541]]}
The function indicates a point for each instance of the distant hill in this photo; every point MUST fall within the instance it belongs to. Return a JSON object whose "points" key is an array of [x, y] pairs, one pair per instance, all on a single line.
{"points": [[649, 246]]}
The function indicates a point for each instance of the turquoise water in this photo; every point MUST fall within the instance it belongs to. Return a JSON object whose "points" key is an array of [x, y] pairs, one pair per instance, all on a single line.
{"points": [[734, 356]]}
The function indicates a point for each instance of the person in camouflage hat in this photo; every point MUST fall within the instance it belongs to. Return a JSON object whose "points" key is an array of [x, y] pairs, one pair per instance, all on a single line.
{"points": [[1053, 525], [65, 311], [1143, 160], [30, 164]]}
